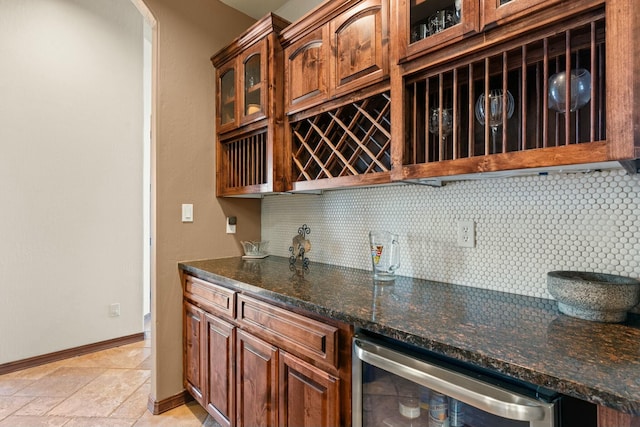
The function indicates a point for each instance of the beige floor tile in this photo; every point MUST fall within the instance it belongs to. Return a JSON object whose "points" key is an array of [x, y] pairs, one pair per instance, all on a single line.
{"points": [[39, 406], [62, 382], [103, 395], [100, 422], [10, 404], [9, 386], [120, 357], [189, 415], [136, 405], [146, 364], [32, 421], [36, 372]]}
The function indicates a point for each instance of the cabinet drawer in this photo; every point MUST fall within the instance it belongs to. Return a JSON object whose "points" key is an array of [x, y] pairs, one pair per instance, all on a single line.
{"points": [[307, 338], [214, 298]]}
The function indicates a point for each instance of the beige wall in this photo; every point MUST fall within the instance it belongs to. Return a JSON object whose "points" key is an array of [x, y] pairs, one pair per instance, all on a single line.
{"points": [[295, 9], [186, 35], [70, 174]]}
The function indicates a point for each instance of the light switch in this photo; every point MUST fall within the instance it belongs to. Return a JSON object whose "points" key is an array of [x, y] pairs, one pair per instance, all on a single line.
{"points": [[187, 213]]}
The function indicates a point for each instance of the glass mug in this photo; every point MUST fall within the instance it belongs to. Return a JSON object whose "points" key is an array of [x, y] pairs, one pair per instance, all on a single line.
{"points": [[385, 257]]}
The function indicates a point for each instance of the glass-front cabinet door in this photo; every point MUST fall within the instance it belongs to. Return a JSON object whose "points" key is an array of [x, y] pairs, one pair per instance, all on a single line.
{"points": [[227, 99], [429, 24], [253, 70], [503, 11]]}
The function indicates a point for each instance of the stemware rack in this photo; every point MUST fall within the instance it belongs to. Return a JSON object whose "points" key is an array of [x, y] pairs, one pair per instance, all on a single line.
{"points": [[350, 141], [245, 160], [522, 67]]}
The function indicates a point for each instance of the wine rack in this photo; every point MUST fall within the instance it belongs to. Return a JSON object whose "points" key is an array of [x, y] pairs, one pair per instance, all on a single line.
{"points": [[449, 117], [353, 140]]}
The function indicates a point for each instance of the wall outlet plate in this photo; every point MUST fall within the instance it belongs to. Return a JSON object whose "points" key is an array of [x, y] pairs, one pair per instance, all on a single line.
{"points": [[231, 224], [466, 234]]}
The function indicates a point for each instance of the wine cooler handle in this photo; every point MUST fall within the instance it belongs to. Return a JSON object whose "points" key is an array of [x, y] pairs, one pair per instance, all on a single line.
{"points": [[482, 395]]}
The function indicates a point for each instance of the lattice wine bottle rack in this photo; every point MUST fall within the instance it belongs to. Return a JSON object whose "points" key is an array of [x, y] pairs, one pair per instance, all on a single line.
{"points": [[353, 140]]}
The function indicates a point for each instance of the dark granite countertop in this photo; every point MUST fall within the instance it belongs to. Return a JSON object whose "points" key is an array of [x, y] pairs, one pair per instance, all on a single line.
{"points": [[523, 337]]}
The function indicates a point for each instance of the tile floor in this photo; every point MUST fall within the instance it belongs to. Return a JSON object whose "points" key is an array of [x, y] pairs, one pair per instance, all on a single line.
{"points": [[109, 388]]}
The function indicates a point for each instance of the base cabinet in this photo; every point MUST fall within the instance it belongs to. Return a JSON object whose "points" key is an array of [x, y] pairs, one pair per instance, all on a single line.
{"points": [[608, 417], [308, 395], [219, 374], [257, 396], [267, 366], [193, 369]]}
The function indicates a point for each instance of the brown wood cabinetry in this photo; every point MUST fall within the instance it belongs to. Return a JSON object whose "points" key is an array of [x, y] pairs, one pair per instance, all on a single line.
{"points": [[219, 378], [267, 365], [338, 48], [348, 69], [608, 417], [209, 347], [257, 397], [337, 127], [423, 26], [496, 12], [516, 71], [308, 395], [306, 70], [193, 352], [249, 114]]}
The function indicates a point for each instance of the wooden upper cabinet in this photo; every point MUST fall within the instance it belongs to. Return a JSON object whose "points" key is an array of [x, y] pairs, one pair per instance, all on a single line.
{"points": [[227, 117], [425, 25], [253, 83], [496, 12], [360, 42], [337, 48], [306, 70], [249, 111], [516, 71]]}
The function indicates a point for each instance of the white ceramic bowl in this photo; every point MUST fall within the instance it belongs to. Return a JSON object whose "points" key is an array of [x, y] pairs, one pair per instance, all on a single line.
{"points": [[593, 296]]}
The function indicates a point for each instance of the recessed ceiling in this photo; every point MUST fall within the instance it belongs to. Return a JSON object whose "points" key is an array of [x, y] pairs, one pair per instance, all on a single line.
{"points": [[255, 8]]}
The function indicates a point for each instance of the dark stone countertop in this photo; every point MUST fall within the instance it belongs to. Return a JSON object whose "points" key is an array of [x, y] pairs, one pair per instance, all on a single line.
{"points": [[523, 337]]}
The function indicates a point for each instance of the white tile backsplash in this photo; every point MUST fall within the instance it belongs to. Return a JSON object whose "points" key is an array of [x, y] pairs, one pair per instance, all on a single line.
{"points": [[525, 227]]}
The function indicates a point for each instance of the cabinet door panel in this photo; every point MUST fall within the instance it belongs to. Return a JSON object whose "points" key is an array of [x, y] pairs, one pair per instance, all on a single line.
{"points": [[253, 82], [257, 382], [227, 95], [306, 70], [193, 352], [608, 417], [359, 41], [308, 395], [220, 396], [502, 11]]}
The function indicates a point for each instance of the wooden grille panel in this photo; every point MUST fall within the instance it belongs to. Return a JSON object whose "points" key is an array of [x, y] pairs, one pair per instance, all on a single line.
{"points": [[351, 140], [524, 70], [245, 160]]}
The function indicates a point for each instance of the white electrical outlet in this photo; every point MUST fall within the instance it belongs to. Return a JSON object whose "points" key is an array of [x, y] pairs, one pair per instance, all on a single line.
{"points": [[466, 234], [231, 224], [114, 309]]}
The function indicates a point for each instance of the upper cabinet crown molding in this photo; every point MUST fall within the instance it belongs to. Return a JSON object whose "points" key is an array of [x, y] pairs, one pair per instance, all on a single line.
{"points": [[259, 30]]}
